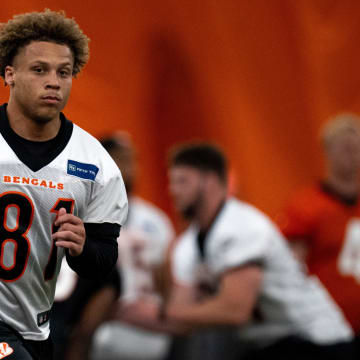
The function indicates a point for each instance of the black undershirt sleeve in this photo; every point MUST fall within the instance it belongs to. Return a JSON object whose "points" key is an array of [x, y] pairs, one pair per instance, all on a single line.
{"points": [[100, 251]]}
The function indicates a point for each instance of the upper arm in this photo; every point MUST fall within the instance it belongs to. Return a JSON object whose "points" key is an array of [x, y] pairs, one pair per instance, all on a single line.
{"points": [[108, 200], [233, 303], [239, 289]]}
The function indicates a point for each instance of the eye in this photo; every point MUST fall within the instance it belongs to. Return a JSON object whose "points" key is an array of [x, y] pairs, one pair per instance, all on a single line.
{"points": [[65, 73], [38, 70]]}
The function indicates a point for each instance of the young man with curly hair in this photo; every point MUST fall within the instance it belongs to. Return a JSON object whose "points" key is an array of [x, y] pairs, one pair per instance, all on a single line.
{"points": [[61, 194]]}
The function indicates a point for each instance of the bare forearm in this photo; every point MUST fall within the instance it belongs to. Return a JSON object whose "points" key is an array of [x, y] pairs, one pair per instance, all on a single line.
{"points": [[146, 315], [209, 313], [231, 306], [156, 324]]}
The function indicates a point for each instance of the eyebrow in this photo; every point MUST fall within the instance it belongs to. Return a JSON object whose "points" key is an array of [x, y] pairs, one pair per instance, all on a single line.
{"points": [[66, 63]]}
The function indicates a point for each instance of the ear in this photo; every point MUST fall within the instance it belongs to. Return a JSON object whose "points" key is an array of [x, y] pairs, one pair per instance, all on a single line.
{"points": [[9, 75]]}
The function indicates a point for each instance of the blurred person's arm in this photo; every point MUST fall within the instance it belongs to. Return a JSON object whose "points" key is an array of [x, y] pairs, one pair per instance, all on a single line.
{"points": [[94, 314], [148, 314], [237, 275], [232, 305], [185, 310], [98, 298]]}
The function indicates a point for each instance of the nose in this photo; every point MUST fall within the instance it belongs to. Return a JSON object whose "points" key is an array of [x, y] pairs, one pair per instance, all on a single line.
{"points": [[52, 81]]}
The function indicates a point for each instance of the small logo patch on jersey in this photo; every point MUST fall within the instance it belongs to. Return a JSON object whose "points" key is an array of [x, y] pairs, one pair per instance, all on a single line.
{"points": [[43, 317], [5, 350], [82, 170]]}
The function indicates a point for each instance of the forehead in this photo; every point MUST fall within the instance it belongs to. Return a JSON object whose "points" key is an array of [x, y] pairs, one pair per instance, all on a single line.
{"points": [[183, 171], [345, 133], [44, 51]]}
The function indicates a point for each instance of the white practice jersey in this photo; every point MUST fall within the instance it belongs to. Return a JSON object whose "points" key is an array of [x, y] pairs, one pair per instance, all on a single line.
{"points": [[143, 243], [289, 302], [85, 181], [144, 240]]}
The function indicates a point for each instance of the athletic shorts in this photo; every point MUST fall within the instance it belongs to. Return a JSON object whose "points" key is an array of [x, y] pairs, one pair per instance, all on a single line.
{"points": [[14, 347]]}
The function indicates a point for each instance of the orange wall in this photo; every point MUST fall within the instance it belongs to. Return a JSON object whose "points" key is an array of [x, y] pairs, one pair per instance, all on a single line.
{"points": [[259, 77]]}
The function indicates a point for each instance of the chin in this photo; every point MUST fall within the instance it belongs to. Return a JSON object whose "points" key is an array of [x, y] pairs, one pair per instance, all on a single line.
{"points": [[43, 117], [188, 212]]}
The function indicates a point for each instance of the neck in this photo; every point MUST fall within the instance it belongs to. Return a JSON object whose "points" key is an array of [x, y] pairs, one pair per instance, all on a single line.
{"points": [[347, 186], [209, 207], [30, 129]]}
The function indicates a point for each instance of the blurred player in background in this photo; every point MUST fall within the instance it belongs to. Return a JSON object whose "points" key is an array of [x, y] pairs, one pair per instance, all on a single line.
{"points": [[142, 247], [232, 267], [322, 221], [61, 194]]}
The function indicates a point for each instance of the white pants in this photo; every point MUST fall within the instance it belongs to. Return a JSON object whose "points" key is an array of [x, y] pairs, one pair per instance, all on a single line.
{"points": [[116, 341]]}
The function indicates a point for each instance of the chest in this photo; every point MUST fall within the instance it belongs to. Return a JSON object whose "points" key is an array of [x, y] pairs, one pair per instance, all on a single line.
{"points": [[334, 226], [29, 203]]}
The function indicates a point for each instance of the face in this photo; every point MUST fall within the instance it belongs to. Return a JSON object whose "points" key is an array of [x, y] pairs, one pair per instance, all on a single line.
{"points": [[344, 152], [40, 80], [186, 186], [126, 163]]}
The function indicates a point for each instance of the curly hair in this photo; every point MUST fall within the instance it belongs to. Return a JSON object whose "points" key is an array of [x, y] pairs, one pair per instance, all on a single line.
{"points": [[49, 26]]}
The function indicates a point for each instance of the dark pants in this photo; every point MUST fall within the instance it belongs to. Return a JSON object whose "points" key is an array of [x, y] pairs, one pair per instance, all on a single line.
{"points": [[298, 349], [14, 347]]}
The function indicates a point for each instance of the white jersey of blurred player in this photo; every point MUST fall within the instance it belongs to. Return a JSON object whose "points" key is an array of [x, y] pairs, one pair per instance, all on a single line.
{"points": [[142, 246], [289, 302], [84, 180]]}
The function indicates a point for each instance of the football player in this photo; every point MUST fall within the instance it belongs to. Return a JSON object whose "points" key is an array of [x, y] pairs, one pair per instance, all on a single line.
{"points": [[322, 220], [61, 194], [232, 267]]}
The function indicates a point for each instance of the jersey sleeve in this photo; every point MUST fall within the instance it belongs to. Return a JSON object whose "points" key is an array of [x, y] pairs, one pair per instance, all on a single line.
{"points": [[239, 248], [108, 202]]}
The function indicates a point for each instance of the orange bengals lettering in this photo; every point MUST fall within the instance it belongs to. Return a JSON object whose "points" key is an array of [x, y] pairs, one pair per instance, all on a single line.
{"points": [[33, 181]]}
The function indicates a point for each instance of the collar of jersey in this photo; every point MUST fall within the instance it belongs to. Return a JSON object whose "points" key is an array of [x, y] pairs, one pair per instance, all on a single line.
{"points": [[35, 154]]}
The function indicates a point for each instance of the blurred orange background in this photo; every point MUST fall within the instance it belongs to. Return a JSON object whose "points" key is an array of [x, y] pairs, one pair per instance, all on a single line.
{"points": [[258, 77]]}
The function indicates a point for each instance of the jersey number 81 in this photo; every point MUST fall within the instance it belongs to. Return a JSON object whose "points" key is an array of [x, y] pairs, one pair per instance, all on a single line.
{"points": [[16, 236]]}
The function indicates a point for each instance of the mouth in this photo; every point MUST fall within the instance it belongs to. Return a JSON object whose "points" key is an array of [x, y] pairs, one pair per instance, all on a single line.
{"points": [[51, 99]]}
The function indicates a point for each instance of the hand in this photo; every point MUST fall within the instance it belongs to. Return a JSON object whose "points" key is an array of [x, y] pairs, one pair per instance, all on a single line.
{"points": [[71, 234], [133, 312]]}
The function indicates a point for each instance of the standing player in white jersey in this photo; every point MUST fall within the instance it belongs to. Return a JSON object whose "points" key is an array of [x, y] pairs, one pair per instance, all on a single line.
{"points": [[254, 280], [143, 245], [61, 194]]}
